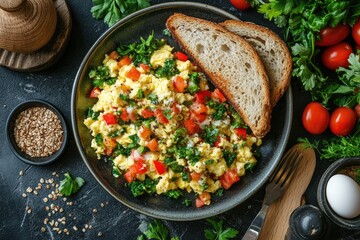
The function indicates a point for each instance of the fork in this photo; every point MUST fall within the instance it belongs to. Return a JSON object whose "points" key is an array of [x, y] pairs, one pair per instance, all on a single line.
{"points": [[277, 185]]}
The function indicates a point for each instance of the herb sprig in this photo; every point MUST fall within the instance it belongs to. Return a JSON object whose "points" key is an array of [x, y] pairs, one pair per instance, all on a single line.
{"points": [[70, 185], [114, 10]]}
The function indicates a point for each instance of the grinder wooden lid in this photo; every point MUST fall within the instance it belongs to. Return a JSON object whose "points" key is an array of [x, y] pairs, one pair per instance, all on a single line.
{"points": [[26, 25]]}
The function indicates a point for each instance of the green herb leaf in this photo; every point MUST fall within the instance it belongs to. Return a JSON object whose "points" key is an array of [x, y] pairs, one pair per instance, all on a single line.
{"points": [[229, 157], [217, 231], [157, 230], [168, 70], [194, 81], [114, 10], [69, 185], [174, 193], [141, 52]]}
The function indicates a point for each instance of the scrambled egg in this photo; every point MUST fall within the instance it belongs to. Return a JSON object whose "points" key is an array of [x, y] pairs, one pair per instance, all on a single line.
{"points": [[151, 129]]}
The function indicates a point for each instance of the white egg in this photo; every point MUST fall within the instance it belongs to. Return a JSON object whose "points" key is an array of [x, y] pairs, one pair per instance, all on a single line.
{"points": [[343, 195]]}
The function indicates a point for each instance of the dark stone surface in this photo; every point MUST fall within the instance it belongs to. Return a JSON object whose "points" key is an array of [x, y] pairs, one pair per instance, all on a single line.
{"points": [[113, 220]]}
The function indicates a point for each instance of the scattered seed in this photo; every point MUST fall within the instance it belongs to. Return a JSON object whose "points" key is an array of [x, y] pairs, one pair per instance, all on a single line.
{"points": [[43, 229], [45, 200], [21, 173], [24, 195], [99, 234]]}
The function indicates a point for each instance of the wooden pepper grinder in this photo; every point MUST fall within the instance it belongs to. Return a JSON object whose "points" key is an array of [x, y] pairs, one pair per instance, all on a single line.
{"points": [[26, 25]]}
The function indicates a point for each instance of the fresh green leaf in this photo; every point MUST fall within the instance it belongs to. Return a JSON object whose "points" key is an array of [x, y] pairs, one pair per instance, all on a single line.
{"points": [[174, 193], [70, 185], [210, 135], [217, 231], [92, 114], [168, 70], [194, 81], [140, 52], [157, 230], [229, 157], [114, 10]]}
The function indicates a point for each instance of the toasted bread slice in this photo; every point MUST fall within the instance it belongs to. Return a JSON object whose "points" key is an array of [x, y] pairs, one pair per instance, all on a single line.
{"points": [[272, 50], [232, 65]]}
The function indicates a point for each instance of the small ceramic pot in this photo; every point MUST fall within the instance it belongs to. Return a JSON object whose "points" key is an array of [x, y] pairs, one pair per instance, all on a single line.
{"points": [[333, 169]]}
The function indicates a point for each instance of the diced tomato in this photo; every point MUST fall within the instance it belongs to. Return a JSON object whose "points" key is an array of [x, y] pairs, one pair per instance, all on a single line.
{"points": [[125, 60], [138, 167], [152, 144], [217, 94], [198, 108], [124, 115], [135, 154], [160, 116], [191, 126], [179, 84], [199, 203], [109, 118], [133, 116], [202, 96], [205, 197], [110, 144], [241, 132], [181, 56], [195, 176], [114, 55], [217, 142], [229, 178], [125, 88], [129, 176], [147, 113], [160, 167], [95, 92], [145, 67], [198, 117], [144, 132], [133, 74], [174, 108]]}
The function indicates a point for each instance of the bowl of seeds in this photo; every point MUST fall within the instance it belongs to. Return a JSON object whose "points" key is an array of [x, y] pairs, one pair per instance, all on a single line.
{"points": [[36, 132]]}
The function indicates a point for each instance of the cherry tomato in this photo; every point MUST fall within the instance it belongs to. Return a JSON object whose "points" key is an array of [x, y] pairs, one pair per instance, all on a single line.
{"points": [[332, 35], [125, 60], [181, 56], [241, 132], [240, 4], [199, 203], [229, 178], [144, 132], [315, 118], [356, 32], [179, 84], [202, 96], [195, 176], [191, 126], [95, 92], [357, 110], [336, 56], [159, 114], [147, 113], [342, 121], [217, 94], [152, 144], [133, 74], [160, 167], [109, 118], [114, 55]]}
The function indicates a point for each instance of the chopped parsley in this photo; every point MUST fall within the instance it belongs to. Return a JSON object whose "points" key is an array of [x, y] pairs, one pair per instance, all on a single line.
{"points": [[167, 113], [194, 81], [117, 133], [187, 202], [173, 164], [229, 157], [138, 188], [219, 108], [168, 70], [115, 172], [99, 140], [249, 166], [92, 114], [210, 135], [141, 52], [174, 193], [153, 98], [99, 75], [140, 94]]}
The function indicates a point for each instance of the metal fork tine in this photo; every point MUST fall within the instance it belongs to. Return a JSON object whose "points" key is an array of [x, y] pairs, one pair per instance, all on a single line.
{"points": [[291, 171], [282, 166]]}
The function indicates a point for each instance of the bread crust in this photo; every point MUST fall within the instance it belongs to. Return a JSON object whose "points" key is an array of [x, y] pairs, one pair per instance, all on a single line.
{"points": [[282, 85], [223, 84]]}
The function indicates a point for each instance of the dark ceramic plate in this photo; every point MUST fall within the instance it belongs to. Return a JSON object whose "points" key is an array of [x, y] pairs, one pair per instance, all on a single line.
{"points": [[130, 30]]}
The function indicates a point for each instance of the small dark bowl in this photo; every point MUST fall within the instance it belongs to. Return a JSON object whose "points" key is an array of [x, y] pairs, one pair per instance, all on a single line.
{"points": [[333, 169], [11, 139]]}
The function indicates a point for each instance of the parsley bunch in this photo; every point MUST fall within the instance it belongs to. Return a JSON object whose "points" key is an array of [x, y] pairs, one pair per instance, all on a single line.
{"points": [[114, 10], [218, 232], [302, 21]]}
